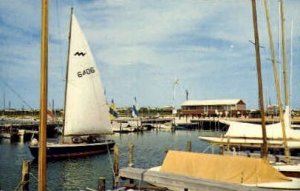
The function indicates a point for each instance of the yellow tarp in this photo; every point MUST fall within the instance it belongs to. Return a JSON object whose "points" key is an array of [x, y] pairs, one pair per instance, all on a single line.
{"points": [[231, 169]]}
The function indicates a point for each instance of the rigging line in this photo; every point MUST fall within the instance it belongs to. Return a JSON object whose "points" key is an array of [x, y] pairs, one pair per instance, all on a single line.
{"points": [[110, 159], [19, 185], [206, 149], [62, 77], [34, 177], [16, 93], [37, 180]]}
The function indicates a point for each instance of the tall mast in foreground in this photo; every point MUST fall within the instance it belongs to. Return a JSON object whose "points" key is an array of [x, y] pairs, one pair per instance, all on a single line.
{"points": [[285, 78], [43, 99], [275, 72], [264, 150]]}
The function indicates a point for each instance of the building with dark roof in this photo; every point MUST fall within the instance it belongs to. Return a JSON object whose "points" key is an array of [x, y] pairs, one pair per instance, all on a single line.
{"points": [[205, 108]]}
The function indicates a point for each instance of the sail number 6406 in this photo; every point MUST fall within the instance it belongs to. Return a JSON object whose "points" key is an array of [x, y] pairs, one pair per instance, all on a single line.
{"points": [[86, 72]]}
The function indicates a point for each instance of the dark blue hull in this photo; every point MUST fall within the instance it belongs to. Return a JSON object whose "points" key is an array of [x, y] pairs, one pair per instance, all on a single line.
{"points": [[60, 151]]}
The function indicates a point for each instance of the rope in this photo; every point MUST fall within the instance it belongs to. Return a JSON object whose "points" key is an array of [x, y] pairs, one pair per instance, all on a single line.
{"points": [[34, 177], [110, 159], [206, 149], [37, 180], [18, 186]]}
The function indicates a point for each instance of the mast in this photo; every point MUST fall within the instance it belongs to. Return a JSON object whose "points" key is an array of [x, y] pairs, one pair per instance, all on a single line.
{"points": [[43, 99], [53, 110], [279, 47], [285, 78], [264, 150], [277, 86], [176, 82], [4, 103], [67, 72], [291, 65]]}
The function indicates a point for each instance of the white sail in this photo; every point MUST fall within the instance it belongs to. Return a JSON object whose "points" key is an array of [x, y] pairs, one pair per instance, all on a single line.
{"points": [[86, 109]]}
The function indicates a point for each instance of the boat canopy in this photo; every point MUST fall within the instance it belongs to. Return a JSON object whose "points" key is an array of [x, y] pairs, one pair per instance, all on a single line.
{"points": [[223, 168]]}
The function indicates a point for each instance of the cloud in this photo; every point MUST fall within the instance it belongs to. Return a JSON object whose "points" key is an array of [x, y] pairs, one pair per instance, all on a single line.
{"points": [[141, 46]]}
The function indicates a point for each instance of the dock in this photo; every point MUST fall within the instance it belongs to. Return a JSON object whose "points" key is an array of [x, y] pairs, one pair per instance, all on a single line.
{"points": [[269, 120], [24, 131], [177, 182]]}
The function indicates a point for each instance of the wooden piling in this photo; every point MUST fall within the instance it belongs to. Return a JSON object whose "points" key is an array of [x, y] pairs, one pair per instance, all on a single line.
{"points": [[130, 158], [130, 154], [116, 165], [101, 184], [25, 175], [189, 146]]}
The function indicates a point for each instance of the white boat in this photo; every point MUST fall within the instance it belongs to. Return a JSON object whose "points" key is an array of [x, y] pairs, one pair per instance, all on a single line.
{"points": [[86, 117], [247, 135], [290, 170], [126, 125]]}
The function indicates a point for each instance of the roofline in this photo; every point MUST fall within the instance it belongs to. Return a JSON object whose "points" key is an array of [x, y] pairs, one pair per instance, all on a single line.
{"points": [[212, 102]]}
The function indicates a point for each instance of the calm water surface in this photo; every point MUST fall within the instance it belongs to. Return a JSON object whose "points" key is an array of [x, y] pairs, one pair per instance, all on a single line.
{"points": [[78, 174]]}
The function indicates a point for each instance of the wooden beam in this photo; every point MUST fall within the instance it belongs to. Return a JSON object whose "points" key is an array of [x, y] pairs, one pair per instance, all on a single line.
{"points": [[25, 175]]}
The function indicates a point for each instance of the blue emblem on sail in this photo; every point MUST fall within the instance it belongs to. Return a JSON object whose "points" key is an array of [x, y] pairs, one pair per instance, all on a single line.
{"points": [[113, 112], [134, 112]]}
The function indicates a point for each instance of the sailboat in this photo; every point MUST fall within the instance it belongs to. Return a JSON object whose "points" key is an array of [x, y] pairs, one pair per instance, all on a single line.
{"points": [[127, 124], [86, 116], [249, 136]]}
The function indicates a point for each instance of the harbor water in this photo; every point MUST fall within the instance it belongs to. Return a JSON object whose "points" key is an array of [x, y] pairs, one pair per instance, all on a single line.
{"points": [[79, 174]]}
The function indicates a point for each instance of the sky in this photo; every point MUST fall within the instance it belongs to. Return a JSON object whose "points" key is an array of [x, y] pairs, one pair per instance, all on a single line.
{"points": [[142, 47]]}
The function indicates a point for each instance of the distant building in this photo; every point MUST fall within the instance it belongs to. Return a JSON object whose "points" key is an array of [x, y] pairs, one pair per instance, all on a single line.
{"points": [[272, 110], [205, 108]]}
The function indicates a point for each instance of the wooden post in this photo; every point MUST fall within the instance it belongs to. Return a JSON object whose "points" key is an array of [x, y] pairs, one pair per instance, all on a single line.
{"points": [[130, 158], [222, 146], [189, 146], [21, 134], [25, 175], [130, 154], [116, 165], [42, 169], [101, 184]]}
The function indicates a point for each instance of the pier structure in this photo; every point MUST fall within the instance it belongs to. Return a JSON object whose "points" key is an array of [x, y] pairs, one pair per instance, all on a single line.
{"points": [[158, 123], [23, 132]]}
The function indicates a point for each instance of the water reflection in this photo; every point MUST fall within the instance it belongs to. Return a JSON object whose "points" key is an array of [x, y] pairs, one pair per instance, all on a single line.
{"points": [[76, 174]]}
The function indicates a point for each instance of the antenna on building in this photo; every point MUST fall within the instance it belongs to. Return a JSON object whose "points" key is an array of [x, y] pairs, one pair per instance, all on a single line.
{"points": [[187, 94]]}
